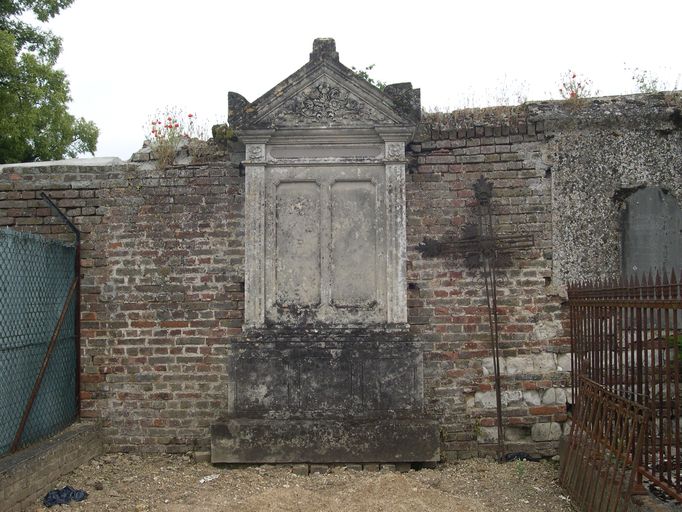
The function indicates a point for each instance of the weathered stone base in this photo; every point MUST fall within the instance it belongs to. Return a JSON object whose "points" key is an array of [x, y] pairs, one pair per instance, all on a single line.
{"points": [[248, 440]]}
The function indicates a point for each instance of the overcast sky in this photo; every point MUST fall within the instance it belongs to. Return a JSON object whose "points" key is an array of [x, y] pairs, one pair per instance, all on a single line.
{"points": [[127, 59]]}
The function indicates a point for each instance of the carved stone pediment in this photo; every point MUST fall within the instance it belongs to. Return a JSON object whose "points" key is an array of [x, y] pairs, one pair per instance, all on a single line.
{"points": [[325, 93], [325, 103], [325, 201]]}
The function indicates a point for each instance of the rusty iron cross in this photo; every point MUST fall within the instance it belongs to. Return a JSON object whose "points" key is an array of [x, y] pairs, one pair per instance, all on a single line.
{"points": [[479, 241], [480, 247]]}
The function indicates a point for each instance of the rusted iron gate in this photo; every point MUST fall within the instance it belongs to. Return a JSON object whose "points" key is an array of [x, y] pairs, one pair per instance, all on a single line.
{"points": [[626, 336], [606, 441]]}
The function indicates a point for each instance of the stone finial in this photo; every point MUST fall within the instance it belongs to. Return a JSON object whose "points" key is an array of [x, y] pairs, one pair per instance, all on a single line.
{"points": [[324, 48]]}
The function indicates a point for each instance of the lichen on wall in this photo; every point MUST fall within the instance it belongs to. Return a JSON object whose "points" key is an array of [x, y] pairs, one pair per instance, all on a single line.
{"points": [[600, 156]]}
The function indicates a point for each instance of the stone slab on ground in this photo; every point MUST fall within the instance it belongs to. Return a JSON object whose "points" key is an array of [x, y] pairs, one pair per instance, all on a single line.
{"points": [[324, 441]]}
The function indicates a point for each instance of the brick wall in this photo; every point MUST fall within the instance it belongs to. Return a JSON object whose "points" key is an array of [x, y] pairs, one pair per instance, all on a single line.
{"points": [[559, 170], [163, 266], [161, 291], [447, 301]]}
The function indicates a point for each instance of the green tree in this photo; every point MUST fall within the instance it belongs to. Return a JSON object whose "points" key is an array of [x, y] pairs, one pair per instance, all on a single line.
{"points": [[34, 121]]}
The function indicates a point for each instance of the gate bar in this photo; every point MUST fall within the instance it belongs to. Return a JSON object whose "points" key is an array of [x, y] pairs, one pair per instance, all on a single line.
{"points": [[77, 273]]}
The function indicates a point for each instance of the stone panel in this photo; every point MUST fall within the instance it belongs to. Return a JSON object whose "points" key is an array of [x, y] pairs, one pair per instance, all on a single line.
{"points": [[354, 248], [390, 383], [324, 242], [297, 244], [348, 373], [652, 232], [260, 384], [325, 382]]}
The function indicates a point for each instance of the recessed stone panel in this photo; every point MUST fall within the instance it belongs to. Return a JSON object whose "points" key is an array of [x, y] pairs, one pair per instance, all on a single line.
{"points": [[652, 232], [325, 382], [261, 383], [389, 383], [297, 247], [353, 244]]}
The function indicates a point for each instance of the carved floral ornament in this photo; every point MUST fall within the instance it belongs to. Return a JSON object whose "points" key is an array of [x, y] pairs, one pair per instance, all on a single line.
{"points": [[395, 151], [326, 103], [255, 152]]}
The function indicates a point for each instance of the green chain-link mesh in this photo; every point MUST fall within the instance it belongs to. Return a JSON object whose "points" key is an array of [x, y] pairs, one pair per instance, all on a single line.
{"points": [[35, 274]]}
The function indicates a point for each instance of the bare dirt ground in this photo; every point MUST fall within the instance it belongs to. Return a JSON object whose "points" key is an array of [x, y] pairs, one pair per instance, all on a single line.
{"points": [[174, 484]]}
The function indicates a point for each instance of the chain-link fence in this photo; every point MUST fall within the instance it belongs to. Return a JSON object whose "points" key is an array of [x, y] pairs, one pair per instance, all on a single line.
{"points": [[36, 275]]}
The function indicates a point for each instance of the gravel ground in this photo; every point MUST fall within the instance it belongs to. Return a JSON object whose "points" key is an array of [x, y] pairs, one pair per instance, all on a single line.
{"points": [[173, 483]]}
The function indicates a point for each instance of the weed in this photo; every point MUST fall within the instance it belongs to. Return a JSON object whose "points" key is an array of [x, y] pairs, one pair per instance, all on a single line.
{"points": [[574, 87], [170, 128], [364, 74], [520, 468], [648, 83]]}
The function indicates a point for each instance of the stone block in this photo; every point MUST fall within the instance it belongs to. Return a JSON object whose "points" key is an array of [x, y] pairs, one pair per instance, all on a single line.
{"points": [[547, 330], [353, 467], [532, 397], [512, 397], [488, 400], [403, 467], [250, 440], [319, 469], [300, 469], [566, 427], [370, 467], [544, 362], [485, 399], [487, 435], [488, 365], [519, 364], [550, 431], [554, 396], [516, 434], [388, 467], [564, 363]]}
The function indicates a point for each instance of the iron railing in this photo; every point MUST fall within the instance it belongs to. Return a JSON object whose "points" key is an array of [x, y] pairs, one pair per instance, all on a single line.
{"points": [[626, 336], [606, 441]]}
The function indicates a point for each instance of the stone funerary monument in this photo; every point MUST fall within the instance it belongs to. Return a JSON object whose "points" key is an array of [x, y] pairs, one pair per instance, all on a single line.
{"points": [[327, 371]]}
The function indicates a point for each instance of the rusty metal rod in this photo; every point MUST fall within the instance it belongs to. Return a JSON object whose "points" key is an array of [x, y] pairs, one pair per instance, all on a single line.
{"points": [[488, 259], [77, 272], [43, 367]]}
